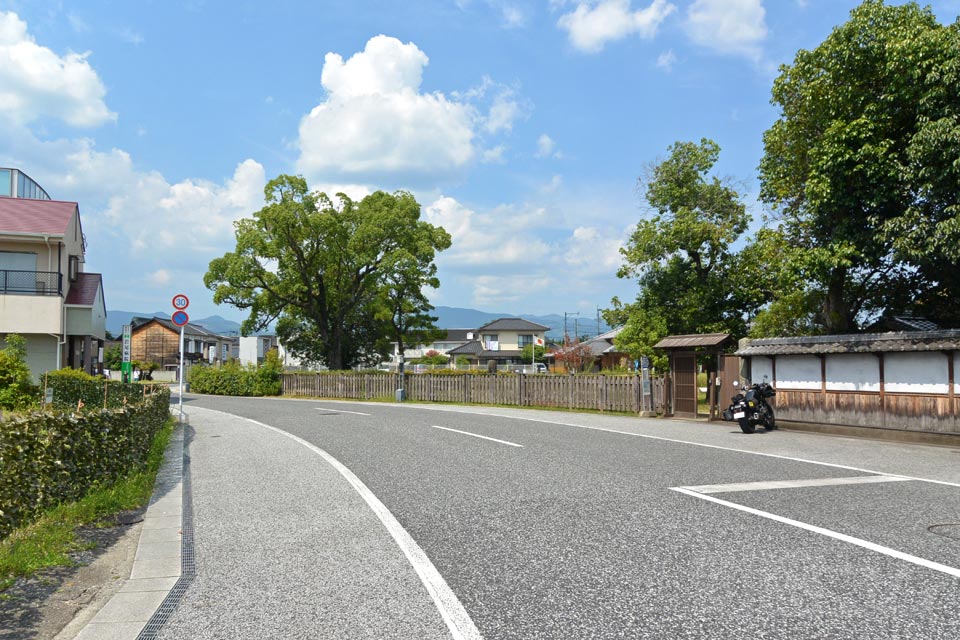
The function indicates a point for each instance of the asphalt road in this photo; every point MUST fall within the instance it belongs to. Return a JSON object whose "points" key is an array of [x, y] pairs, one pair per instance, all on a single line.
{"points": [[578, 532]]}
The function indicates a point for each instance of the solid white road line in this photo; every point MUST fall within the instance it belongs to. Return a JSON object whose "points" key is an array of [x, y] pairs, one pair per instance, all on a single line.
{"points": [[893, 553], [794, 484], [458, 621], [678, 441], [336, 411], [467, 433]]}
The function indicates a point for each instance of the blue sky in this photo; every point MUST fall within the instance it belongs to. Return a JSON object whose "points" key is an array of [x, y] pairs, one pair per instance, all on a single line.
{"points": [[521, 127]]}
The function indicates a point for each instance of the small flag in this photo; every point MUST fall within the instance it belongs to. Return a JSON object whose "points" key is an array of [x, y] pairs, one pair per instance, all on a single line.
{"points": [[538, 341]]}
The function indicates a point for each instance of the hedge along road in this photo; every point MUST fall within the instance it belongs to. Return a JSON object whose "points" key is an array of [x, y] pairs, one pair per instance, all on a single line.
{"points": [[561, 525]]}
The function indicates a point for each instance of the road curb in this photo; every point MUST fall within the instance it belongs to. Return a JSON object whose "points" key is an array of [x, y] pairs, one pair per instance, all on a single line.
{"points": [[157, 574]]}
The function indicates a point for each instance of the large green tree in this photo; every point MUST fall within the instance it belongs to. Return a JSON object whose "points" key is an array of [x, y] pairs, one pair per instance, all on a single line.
{"points": [[862, 170], [325, 271], [681, 254]]}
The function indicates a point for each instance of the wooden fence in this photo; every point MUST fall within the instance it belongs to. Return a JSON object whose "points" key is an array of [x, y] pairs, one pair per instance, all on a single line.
{"points": [[618, 393]]}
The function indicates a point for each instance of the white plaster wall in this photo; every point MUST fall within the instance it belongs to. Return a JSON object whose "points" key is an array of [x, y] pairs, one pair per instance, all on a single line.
{"points": [[853, 372], [761, 366], [917, 372], [248, 349], [30, 314], [956, 372], [797, 372]]}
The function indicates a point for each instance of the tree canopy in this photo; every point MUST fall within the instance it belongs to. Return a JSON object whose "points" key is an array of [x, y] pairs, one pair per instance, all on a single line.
{"points": [[682, 254], [863, 171], [340, 279]]}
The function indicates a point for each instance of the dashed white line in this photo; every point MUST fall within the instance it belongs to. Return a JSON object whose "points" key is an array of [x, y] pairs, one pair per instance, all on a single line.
{"points": [[336, 411], [476, 435], [893, 553]]}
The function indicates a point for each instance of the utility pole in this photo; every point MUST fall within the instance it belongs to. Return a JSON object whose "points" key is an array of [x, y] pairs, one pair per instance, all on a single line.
{"points": [[566, 333], [598, 320]]}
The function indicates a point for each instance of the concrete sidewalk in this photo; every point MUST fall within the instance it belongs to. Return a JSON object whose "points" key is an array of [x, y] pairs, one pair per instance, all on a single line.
{"points": [[157, 565]]}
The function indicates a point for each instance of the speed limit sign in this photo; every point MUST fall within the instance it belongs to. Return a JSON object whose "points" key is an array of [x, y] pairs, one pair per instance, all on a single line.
{"points": [[180, 302]]}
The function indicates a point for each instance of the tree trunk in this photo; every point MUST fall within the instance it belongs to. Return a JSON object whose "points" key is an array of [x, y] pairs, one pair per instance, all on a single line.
{"points": [[836, 312]]}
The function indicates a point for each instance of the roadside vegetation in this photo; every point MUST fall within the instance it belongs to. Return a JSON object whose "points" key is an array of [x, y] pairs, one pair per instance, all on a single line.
{"points": [[234, 379], [49, 540], [91, 453]]}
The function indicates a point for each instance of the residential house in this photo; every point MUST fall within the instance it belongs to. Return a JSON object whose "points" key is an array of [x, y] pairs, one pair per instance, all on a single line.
{"points": [[45, 294], [253, 350], [451, 339], [158, 340], [605, 354], [501, 341]]}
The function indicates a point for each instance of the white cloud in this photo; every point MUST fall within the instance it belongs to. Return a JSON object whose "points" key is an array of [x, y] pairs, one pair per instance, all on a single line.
{"points": [[729, 26], [375, 122], [513, 17], [35, 82], [593, 24], [666, 60], [495, 155], [545, 146], [503, 112], [553, 185], [160, 277]]}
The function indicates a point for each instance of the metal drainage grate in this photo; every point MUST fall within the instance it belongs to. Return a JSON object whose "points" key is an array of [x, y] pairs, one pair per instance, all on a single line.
{"points": [[188, 567], [946, 530]]}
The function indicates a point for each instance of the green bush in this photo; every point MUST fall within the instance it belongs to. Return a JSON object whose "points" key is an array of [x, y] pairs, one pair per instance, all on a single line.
{"points": [[72, 386], [49, 458], [233, 379], [17, 391]]}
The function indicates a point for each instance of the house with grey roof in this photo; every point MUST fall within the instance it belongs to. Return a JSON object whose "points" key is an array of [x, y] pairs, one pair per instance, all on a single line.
{"points": [[45, 294], [501, 341]]}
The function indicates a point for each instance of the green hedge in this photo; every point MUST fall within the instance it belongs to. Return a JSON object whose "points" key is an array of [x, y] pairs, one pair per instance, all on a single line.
{"points": [[233, 379], [72, 385], [48, 458]]}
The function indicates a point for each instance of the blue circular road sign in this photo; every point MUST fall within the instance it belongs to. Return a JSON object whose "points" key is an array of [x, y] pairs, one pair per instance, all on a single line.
{"points": [[180, 318]]}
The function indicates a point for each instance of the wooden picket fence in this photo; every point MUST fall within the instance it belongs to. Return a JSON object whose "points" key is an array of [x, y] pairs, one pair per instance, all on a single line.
{"points": [[620, 393]]}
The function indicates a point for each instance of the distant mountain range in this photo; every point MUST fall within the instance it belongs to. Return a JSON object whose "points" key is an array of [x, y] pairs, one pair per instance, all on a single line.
{"points": [[447, 318]]}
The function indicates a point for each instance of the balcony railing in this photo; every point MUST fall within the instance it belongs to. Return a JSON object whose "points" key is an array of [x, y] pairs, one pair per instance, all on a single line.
{"points": [[30, 283]]}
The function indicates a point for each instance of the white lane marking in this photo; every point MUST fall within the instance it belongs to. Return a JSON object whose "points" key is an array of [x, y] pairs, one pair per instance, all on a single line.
{"points": [[336, 411], [458, 621], [678, 441], [475, 435], [893, 553], [794, 484]]}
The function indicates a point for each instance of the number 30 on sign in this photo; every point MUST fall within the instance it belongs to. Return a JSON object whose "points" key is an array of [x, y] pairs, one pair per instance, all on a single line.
{"points": [[180, 302]]}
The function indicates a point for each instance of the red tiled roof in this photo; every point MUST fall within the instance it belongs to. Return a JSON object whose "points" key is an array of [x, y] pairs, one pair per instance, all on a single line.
{"points": [[84, 290], [23, 215]]}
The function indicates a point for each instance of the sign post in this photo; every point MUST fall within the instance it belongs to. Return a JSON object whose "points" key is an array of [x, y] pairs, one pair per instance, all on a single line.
{"points": [[180, 318], [125, 367]]}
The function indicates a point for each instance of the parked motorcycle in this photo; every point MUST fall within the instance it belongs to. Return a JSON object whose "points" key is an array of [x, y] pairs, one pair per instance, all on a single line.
{"points": [[750, 408]]}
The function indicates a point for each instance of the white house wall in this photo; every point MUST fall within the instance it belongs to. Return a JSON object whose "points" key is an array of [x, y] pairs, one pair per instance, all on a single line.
{"points": [[853, 372], [761, 366], [918, 372], [797, 372], [956, 372]]}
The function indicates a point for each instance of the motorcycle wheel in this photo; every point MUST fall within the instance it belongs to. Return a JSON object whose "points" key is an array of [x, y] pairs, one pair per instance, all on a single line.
{"points": [[770, 420], [745, 425]]}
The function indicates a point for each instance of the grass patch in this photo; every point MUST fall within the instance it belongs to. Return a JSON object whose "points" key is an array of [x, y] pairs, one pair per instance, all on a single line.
{"points": [[49, 540]]}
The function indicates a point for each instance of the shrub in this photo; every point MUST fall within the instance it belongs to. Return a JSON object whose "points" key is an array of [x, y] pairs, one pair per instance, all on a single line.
{"points": [[72, 386], [232, 379], [17, 391], [48, 458]]}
